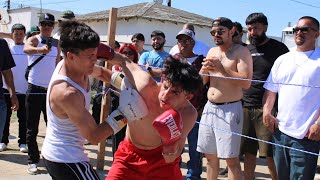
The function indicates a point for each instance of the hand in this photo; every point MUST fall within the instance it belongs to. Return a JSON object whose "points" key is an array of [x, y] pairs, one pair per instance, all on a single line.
{"points": [[270, 122], [171, 152], [14, 102], [213, 64], [314, 133], [44, 49]]}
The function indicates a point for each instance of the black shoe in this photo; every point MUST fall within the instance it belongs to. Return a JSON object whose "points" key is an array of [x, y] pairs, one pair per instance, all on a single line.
{"points": [[224, 172]]}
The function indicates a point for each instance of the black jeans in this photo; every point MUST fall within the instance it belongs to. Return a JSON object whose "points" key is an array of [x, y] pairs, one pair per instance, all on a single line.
{"points": [[35, 104], [21, 114]]}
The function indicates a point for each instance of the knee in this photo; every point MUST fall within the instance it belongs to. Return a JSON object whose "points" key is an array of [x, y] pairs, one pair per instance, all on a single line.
{"points": [[233, 162]]}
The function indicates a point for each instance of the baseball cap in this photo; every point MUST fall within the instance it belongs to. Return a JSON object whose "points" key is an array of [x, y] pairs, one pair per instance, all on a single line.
{"points": [[222, 21], [67, 15], [46, 17], [34, 29], [186, 32]]}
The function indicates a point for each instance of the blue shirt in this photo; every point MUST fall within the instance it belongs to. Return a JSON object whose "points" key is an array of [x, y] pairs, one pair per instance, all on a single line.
{"points": [[153, 58]]}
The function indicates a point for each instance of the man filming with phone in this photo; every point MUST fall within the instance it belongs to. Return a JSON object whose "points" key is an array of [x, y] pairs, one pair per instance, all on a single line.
{"points": [[43, 55]]}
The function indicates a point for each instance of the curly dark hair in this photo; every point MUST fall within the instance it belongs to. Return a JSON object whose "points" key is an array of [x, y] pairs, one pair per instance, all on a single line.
{"points": [[181, 74], [76, 36]]}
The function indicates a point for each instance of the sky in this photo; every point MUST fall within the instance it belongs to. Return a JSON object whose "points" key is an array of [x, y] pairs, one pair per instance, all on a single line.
{"points": [[278, 12]]}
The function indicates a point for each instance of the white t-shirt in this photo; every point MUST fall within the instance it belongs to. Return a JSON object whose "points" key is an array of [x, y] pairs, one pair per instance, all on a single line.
{"points": [[298, 106], [199, 48], [21, 61]]}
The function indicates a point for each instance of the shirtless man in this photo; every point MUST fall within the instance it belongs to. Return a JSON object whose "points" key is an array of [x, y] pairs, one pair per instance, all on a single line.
{"points": [[223, 111], [141, 155]]}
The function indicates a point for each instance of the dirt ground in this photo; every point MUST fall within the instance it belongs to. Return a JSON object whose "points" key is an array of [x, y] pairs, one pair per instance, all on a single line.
{"points": [[13, 163]]}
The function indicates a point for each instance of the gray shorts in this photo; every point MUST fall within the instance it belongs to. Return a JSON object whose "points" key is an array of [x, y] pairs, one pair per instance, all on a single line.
{"points": [[217, 123]]}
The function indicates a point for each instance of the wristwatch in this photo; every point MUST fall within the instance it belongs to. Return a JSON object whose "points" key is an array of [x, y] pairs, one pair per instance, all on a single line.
{"points": [[149, 68]]}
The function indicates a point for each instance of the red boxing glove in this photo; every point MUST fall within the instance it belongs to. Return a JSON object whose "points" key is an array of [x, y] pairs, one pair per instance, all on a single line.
{"points": [[105, 52], [169, 126]]}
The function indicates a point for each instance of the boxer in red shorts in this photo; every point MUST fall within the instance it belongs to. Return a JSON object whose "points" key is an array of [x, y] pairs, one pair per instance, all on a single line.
{"points": [[153, 144]]}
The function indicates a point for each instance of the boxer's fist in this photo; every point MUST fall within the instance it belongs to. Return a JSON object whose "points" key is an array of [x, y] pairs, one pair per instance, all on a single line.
{"points": [[119, 81], [132, 105], [169, 126], [105, 52]]}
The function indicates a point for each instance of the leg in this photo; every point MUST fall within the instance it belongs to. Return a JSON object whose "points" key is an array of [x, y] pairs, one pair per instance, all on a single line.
{"points": [[3, 115], [33, 110], [194, 165], [281, 156], [212, 166], [303, 165], [21, 114], [272, 168], [5, 136], [234, 167], [249, 166]]}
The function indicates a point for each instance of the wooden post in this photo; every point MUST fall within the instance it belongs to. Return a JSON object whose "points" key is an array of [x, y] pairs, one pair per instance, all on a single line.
{"points": [[105, 104]]}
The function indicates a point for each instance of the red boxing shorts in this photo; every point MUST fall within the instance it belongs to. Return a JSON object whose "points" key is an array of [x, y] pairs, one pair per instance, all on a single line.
{"points": [[131, 163]]}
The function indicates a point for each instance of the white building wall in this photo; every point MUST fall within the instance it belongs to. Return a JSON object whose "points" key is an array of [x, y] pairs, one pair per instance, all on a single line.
{"points": [[126, 28]]}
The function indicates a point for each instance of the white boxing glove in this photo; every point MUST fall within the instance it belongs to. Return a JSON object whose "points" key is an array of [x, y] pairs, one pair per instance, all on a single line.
{"points": [[131, 107], [119, 81]]}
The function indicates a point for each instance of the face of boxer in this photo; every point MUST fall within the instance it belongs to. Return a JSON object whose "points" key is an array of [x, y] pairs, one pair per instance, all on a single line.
{"points": [[85, 60], [170, 97]]}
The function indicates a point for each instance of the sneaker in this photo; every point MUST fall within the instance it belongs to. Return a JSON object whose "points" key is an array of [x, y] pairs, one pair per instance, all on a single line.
{"points": [[3, 147], [224, 172], [32, 169], [23, 148]]}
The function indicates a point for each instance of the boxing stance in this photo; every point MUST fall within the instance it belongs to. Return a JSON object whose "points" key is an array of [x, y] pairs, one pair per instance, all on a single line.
{"points": [[68, 101], [153, 144]]}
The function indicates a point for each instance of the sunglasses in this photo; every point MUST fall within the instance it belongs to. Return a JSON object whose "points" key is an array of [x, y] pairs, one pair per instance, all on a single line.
{"points": [[219, 31], [303, 29], [49, 24], [129, 53], [184, 41]]}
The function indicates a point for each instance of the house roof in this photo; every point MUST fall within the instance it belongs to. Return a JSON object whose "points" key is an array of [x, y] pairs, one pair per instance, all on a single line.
{"points": [[151, 10]]}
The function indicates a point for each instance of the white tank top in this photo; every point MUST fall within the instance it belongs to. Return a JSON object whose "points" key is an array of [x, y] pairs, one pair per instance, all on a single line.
{"points": [[63, 141], [40, 74]]}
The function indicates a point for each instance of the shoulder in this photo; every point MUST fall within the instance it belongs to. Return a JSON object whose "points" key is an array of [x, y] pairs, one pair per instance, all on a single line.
{"points": [[64, 94], [189, 113]]}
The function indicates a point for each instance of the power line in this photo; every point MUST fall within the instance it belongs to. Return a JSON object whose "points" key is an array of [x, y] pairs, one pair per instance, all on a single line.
{"points": [[304, 3]]}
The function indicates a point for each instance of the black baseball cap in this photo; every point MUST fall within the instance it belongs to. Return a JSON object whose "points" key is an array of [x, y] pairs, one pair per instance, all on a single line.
{"points": [[222, 21], [46, 17]]}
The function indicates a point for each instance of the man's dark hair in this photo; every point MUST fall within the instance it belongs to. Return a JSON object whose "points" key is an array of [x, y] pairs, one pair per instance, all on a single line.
{"points": [[18, 27], [181, 74], [158, 33], [312, 19], [238, 26], [116, 45], [257, 18], [139, 36], [76, 36]]}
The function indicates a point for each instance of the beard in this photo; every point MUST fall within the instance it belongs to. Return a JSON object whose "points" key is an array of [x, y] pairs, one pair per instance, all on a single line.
{"points": [[299, 40], [158, 47], [258, 39], [219, 41]]}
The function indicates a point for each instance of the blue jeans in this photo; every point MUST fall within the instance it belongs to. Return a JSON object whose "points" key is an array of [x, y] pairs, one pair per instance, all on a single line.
{"points": [[194, 165], [3, 116], [292, 164]]}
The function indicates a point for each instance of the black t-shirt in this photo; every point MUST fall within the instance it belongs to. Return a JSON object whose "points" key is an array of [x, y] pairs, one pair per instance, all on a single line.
{"points": [[263, 58], [6, 61]]}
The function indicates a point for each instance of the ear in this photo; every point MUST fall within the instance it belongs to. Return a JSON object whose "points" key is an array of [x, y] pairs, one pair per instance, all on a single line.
{"points": [[189, 96], [232, 30], [265, 28], [317, 35], [70, 56]]}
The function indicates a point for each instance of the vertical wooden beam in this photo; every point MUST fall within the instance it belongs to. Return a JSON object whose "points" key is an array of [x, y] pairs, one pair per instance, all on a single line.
{"points": [[105, 104]]}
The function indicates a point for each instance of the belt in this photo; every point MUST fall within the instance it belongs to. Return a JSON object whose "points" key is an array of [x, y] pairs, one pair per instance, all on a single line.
{"points": [[225, 103]]}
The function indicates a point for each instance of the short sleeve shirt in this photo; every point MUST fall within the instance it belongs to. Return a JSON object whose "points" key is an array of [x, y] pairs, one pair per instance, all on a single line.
{"points": [[6, 61]]}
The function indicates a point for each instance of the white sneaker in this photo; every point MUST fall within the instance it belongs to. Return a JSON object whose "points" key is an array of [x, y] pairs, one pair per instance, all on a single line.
{"points": [[3, 147], [32, 169], [23, 148]]}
